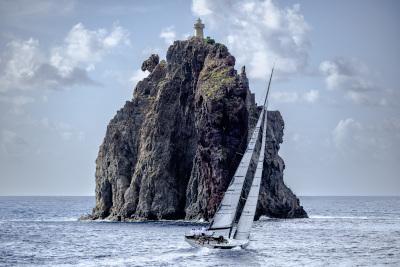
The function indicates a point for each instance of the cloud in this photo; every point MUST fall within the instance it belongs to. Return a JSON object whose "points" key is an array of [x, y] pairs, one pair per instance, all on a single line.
{"points": [[23, 8], [83, 47], [168, 34], [64, 130], [294, 97], [24, 66], [200, 7], [311, 96], [372, 139], [343, 134], [16, 102], [138, 75], [13, 144], [350, 74], [354, 78], [259, 32]]}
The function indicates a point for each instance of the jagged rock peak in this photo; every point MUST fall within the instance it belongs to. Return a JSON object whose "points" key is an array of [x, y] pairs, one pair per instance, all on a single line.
{"points": [[150, 63], [171, 151]]}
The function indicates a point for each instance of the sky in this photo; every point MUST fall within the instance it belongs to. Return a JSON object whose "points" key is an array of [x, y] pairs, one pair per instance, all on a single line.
{"points": [[66, 67]]}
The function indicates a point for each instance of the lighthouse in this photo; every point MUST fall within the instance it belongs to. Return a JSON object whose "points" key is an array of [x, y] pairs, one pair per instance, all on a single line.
{"points": [[198, 29]]}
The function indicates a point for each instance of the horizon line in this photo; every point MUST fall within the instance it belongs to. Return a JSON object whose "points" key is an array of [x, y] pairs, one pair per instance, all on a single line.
{"points": [[39, 195]]}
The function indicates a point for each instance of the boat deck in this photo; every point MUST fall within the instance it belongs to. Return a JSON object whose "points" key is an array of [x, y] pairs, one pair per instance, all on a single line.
{"points": [[214, 242]]}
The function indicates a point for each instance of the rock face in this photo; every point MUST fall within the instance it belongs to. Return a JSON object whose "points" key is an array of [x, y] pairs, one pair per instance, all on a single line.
{"points": [[276, 199], [150, 63], [171, 151]]}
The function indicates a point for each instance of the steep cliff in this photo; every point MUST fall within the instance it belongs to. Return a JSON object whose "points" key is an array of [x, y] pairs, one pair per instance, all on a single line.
{"points": [[171, 151]]}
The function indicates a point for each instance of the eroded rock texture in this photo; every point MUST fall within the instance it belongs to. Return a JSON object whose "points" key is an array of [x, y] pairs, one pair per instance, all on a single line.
{"points": [[276, 199], [171, 151]]}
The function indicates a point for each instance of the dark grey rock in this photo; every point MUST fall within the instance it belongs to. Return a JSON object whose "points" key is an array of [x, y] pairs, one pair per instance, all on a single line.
{"points": [[276, 200], [150, 63], [171, 151]]}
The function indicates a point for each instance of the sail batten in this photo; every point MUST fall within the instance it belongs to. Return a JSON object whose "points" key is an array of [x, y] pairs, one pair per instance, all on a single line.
{"points": [[250, 206], [225, 215], [249, 210]]}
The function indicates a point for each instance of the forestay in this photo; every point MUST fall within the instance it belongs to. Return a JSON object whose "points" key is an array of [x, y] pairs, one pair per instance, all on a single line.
{"points": [[225, 215], [249, 210]]}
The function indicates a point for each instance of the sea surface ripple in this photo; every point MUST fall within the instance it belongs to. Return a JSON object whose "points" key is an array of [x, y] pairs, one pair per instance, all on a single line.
{"points": [[341, 231]]}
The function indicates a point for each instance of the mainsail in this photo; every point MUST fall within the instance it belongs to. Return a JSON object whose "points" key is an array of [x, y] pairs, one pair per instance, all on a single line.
{"points": [[225, 215], [247, 216], [249, 210]]}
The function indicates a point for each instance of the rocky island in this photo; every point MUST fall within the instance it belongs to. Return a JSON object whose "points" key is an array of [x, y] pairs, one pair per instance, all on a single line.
{"points": [[172, 150]]}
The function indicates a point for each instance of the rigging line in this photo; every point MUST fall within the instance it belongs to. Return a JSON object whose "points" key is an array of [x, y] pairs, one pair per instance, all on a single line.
{"points": [[265, 119], [242, 139], [269, 84], [252, 117]]}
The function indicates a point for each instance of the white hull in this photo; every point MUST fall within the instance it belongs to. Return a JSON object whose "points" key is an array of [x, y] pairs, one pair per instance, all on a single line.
{"points": [[231, 243]]}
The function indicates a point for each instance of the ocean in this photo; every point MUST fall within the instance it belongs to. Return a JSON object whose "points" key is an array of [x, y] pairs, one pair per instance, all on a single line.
{"points": [[341, 231]]}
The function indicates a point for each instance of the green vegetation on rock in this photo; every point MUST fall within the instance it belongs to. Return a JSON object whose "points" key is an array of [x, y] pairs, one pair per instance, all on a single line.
{"points": [[209, 40], [216, 81]]}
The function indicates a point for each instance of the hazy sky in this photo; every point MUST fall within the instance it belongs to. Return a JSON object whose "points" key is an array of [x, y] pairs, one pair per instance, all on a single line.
{"points": [[66, 67]]}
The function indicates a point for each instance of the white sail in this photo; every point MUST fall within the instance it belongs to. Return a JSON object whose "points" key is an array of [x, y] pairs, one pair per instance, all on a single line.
{"points": [[225, 215], [249, 210]]}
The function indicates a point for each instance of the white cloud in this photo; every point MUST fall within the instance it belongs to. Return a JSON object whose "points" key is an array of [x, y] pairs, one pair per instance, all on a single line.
{"points": [[259, 32], [348, 74], [117, 36], [295, 97], [139, 75], [200, 7], [168, 34], [355, 79], [24, 66], [19, 64], [86, 47], [375, 140], [343, 134]]}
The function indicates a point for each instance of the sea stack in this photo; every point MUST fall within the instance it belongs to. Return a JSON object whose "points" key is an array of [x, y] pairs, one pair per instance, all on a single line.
{"points": [[171, 151]]}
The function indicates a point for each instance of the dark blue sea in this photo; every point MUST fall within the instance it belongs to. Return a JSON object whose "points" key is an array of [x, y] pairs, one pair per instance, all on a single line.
{"points": [[341, 231]]}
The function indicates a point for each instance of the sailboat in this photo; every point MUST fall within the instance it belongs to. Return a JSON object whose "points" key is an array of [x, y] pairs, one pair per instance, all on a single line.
{"points": [[223, 232]]}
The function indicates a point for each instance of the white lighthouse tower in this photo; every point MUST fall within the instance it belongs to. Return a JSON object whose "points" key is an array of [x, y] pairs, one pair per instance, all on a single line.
{"points": [[198, 29]]}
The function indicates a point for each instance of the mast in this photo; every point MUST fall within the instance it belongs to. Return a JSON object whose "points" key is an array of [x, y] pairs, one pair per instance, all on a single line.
{"points": [[269, 86], [247, 217], [249, 210], [225, 215]]}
